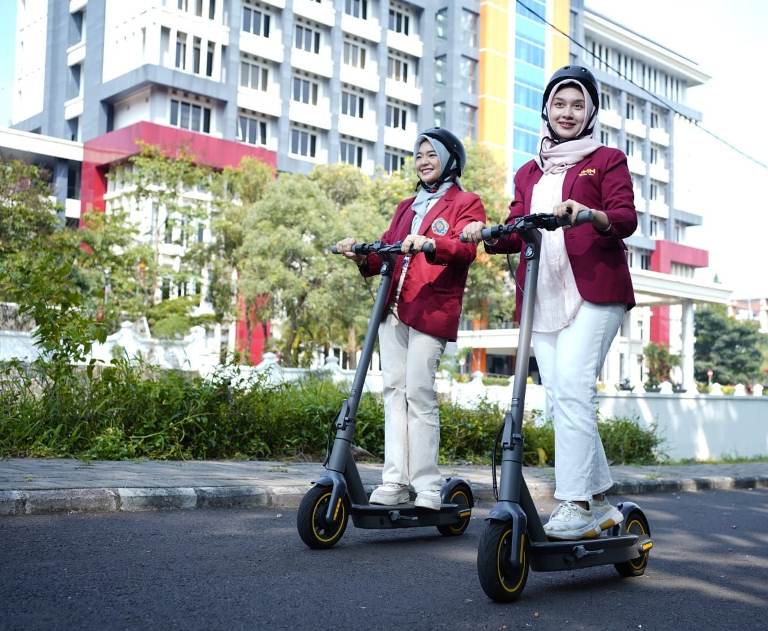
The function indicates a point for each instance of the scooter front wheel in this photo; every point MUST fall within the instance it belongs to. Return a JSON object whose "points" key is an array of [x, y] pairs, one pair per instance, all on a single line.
{"points": [[500, 579], [314, 529]]}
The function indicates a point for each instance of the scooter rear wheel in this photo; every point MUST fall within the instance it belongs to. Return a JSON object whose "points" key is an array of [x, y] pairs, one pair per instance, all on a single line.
{"points": [[314, 529], [460, 496], [634, 524], [499, 579]]}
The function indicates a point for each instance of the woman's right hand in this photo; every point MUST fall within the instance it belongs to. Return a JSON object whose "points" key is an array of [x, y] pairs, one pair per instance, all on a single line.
{"points": [[345, 247], [471, 232]]}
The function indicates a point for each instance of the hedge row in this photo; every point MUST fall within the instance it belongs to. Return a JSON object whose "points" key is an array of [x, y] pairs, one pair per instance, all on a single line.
{"points": [[127, 411]]}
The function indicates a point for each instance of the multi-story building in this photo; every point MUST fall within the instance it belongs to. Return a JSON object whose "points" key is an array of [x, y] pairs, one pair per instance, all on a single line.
{"points": [[304, 82], [643, 88]]}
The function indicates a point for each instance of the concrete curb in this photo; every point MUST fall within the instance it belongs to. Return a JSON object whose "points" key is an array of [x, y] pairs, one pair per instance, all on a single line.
{"points": [[105, 500]]}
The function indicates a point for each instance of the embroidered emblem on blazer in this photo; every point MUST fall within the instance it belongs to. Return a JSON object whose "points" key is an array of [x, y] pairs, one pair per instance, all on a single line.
{"points": [[440, 227], [589, 171]]}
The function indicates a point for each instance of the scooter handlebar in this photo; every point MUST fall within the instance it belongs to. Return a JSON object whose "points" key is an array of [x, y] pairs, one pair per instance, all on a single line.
{"points": [[378, 247], [545, 221]]}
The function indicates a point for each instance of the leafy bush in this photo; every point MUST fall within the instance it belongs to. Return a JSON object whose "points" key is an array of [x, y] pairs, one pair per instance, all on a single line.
{"points": [[126, 410]]}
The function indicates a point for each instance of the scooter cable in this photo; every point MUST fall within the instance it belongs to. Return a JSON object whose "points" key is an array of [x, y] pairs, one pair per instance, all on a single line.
{"points": [[493, 462]]}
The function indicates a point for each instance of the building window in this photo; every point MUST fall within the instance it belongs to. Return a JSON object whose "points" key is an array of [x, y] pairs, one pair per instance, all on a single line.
{"points": [[439, 114], [212, 9], [658, 191], [657, 118], [529, 51], [209, 60], [254, 76], [306, 38], [303, 143], [354, 55], [606, 102], [654, 155], [196, 50], [467, 115], [252, 130], [190, 116], [256, 21], [654, 227], [604, 137], [469, 73], [630, 113], [356, 8], [525, 141], [183, 5], [351, 153], [441, 24], [469, 28], [396, 116], [181, 51], [645, 261], [630, 147], [352, 104], [531, 8], [440, 70], [305, 91], [199, 8], [399, 21], [397, 69], [73, 182], [393, 160], [527, 96]]}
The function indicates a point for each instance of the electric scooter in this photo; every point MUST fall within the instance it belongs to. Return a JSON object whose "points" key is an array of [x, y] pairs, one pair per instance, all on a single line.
{"points": [[326, 507], [513, 539]]}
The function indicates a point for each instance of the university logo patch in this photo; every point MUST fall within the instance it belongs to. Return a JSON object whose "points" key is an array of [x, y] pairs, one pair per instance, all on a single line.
{"points": [[440, 227], [590, 171]]}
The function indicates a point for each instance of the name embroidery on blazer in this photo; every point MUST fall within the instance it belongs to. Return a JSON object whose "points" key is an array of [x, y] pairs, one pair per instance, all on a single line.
{"points": [[589, 171]]}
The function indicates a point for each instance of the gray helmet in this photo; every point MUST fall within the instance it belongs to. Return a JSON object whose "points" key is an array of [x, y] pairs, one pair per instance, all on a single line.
{"points": [[580, 75]]}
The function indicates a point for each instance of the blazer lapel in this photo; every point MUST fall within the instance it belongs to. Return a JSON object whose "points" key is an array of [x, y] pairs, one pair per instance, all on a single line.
{"points": [[571, 175], [438, 208]]}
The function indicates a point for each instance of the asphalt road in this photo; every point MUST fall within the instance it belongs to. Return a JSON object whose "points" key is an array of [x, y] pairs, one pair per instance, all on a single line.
{"points": [[231, 569]]}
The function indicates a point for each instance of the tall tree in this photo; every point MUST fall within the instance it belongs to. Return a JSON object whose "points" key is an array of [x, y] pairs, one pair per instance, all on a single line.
{"points": [[729, 347], [284, 258]]}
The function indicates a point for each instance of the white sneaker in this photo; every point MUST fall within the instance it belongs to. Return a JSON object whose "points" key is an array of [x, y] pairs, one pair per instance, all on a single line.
{"points": [[571, 521], [390, 494], [429, 499], [606, 514]]}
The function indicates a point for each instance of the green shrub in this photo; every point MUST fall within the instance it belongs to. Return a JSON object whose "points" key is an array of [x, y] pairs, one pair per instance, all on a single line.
{"points": [[126, 410]]}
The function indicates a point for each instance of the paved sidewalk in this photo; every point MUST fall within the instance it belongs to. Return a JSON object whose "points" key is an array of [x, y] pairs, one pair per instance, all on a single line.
{"points": [[38, 486]]}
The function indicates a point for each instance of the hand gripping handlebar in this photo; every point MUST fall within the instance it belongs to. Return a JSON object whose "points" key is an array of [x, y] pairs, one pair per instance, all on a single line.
{"points": [[379, 247]]}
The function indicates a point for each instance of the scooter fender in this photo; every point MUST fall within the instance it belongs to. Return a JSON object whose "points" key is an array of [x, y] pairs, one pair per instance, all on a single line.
{"points": [[626, 509], [510, 512], [450, 484], [336, 480]]}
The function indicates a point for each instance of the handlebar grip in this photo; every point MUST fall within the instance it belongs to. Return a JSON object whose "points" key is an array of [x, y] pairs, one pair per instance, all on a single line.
{"points": [[492, 232], [334, 250], [584, 216], [428, 248]]}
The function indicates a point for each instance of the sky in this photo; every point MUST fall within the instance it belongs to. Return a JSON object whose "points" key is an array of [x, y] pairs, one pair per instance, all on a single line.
{"points": [[727, 39]]}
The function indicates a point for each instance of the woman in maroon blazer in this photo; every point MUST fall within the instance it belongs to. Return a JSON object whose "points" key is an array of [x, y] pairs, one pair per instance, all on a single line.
{"points": [[584, 288], [424, 309]]}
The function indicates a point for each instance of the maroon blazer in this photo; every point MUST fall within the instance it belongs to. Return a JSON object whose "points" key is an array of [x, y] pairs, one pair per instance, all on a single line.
{"points": [[601, 182], [433, 289]]}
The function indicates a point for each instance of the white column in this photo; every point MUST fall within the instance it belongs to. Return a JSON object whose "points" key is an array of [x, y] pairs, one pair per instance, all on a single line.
{"points": [[686, 356]]}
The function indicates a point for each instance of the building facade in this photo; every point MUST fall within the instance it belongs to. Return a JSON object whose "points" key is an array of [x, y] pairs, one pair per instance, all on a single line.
{"points": [[307, 82]]}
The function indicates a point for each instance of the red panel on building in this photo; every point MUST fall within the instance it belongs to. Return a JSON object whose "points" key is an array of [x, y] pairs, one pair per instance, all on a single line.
{"points": [[100, 153], [662, 258]]}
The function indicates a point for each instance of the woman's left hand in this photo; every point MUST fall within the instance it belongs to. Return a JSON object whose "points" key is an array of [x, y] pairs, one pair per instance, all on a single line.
{"points": [[415, 242], [571, 208]]}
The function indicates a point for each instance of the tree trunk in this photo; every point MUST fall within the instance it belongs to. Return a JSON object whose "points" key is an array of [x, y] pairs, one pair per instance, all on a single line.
{"points": [[352, 347]]}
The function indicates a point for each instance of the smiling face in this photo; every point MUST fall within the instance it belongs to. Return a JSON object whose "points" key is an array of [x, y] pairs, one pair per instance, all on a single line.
{"points": [[427, 163], [568, 112]]}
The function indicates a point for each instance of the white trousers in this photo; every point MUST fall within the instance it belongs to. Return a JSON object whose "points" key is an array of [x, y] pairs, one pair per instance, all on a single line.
{"points": [[409, 362], [569, 362]]}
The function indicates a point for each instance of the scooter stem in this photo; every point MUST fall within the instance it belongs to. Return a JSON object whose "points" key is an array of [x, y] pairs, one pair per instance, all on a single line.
{"points": [[512, 436]]}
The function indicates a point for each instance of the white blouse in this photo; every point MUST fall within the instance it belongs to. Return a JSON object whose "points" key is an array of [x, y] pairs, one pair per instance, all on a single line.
{"points": [[557, 297]]}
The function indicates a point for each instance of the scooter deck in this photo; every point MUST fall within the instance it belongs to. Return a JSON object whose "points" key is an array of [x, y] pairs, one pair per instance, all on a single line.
{"points": [[552, 556], [406, 515]]}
